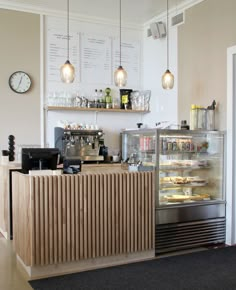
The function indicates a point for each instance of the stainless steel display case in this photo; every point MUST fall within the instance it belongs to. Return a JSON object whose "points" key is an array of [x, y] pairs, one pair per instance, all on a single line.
{"points": [[190, 186]]}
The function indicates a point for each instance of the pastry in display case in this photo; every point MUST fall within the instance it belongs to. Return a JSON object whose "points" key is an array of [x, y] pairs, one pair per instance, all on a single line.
{"points": [[189, 189]]}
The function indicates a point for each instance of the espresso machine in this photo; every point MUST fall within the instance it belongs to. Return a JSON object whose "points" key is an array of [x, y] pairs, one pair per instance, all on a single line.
{"points": [[80, 144]]}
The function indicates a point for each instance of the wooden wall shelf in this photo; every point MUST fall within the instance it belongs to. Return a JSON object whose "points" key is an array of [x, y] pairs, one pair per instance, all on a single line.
{"points": [[55, 108]]}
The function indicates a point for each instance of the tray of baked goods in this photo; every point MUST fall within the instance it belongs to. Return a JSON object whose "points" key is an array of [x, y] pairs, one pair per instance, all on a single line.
{"points": [[182, 181], [176, 198]]}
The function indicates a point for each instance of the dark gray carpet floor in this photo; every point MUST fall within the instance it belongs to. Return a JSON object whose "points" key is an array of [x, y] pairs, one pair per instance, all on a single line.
{"points": [[213, 269]]}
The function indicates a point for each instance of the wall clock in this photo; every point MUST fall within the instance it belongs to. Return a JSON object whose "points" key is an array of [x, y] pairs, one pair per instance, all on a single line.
{"points": [[20, 82]]}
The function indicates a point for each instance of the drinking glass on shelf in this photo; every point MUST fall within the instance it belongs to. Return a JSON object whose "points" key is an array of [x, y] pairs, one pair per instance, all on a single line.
{"points": [[116, 103], [147, 97], [50, 99], [134, 96]]}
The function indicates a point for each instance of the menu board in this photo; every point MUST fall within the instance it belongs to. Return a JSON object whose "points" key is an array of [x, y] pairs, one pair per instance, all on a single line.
{"points": [[130, 59], [57, 52], [95, 59]]}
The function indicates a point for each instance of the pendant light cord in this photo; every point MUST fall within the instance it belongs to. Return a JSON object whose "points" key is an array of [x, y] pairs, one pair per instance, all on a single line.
{"points": [[68, 31], [120, 32], [167, 38]]}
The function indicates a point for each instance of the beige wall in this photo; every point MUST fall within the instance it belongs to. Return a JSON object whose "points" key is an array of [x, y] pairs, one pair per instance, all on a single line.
{"points": [[208, 31], [19, 50]]}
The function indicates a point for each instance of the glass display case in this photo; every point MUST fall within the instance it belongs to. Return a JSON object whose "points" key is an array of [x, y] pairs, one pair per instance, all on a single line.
{"points": [[191, 167], [190, 185]]}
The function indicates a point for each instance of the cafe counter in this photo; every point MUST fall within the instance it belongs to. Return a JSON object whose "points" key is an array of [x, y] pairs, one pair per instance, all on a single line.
{"points": [[100, 217]]}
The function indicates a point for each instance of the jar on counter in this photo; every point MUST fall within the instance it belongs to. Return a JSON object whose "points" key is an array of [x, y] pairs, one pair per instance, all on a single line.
{"points": [[201, 120]]}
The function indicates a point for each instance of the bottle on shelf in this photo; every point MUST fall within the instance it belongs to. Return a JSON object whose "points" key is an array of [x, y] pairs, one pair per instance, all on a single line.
{"points": [[101, 99], [108, 98], [96, 98]]}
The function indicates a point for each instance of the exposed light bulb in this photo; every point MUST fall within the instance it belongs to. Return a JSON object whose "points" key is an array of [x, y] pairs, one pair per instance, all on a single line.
{"points": [[67, 72], [120, 77], [168, 80]]}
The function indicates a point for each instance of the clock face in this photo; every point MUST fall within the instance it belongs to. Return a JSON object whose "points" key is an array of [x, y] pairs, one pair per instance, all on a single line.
{"points": [[20, 82]]}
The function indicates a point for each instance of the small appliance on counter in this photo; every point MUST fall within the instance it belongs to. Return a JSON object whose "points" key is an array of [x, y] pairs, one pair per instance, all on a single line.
{"points": [[82, 144], [71, 166]]}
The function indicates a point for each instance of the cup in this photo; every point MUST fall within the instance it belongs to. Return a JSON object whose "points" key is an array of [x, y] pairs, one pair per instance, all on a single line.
{"points": [[210, 119], [5, 157]]}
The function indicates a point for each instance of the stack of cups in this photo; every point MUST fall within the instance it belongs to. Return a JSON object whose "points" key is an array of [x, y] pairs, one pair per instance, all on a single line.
{"points": [[5, 157]]}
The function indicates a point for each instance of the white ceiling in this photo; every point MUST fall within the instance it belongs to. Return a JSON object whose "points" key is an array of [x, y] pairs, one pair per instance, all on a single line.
{"points": [[133, 11]]}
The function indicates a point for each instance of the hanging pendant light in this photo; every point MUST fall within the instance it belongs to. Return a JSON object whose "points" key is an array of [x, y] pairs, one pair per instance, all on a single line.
{"points": [[67, 69], [120, 75], [168, 77]]}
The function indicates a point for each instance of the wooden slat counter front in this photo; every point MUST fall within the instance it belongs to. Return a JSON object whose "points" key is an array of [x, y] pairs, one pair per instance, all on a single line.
{"points": [[69, 223]]}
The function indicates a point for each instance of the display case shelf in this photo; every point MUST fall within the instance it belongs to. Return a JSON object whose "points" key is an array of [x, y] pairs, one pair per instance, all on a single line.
{"points": [[186, 168], [182, 152]]}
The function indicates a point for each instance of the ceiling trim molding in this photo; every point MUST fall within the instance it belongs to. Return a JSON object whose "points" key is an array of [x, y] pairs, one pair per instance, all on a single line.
{"points": [[73, 16]]}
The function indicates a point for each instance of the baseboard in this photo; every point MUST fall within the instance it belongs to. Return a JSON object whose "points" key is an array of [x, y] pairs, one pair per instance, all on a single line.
{"points": [[37, 272]]}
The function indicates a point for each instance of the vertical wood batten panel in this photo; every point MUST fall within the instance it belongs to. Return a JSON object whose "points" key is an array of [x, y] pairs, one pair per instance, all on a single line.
{"points": [[149, 182], [124, 211], [142, 210], [72, 216], [146, 195], [37, 222], [146, 198], [128, 210], [51, 222], [101, 216], [89, 216], [119, 202], [55, 225], [131, 212], [118, 213], [110, 184], [77, 220], [93, 213], [97, 216], [60, 218], [81, 224], [68, 180], [104, 182], [41, 221], [86, 216], [152, 207], [46, 220], [139, 213], [135, 212], [32, 212], [64, 207]]}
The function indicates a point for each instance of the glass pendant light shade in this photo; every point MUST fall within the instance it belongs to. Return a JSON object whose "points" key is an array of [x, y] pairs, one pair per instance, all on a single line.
{"points": [[67, 72], [168, 80], [120, 77]]}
